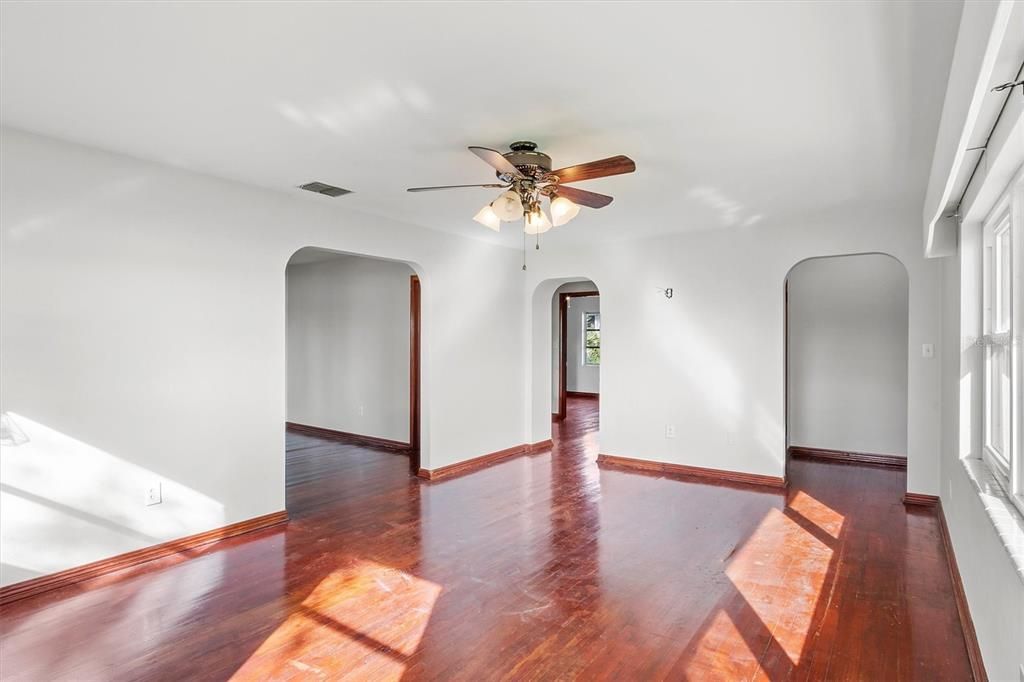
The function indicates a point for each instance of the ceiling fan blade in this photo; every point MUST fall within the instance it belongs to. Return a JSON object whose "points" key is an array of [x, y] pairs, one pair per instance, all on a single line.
{"points": [[583, 197], [615, 165], [432, 189], [496, 161]]}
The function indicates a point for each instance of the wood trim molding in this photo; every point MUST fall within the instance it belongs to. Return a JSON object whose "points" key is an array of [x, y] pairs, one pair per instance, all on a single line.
{"points": [[563, 308], [894, 461], [582, 394], [360, 439], [962, 609], [483, 461], [540, 446], [415, 306], [920, 499], [53, 581], [468, 465], [563, 351], [706, 475]]}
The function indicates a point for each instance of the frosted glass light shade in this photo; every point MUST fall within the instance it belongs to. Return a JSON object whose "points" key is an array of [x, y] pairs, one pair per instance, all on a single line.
{"points": [[562, 211], [537, 223], [486, 217], [508, 207]]}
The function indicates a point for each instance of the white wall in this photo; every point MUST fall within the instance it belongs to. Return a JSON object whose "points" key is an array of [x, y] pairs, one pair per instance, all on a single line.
{"points": [[989, 46], [995, 590], [348, 346], [142, 312], [710, 359], [579, 376], [848, 354]]}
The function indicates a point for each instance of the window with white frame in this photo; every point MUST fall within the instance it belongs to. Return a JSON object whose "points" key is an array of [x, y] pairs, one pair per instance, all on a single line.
{"points": [[1002, 284], [591, 338]]}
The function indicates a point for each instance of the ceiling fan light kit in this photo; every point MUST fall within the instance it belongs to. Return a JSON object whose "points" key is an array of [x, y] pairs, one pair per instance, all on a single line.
{"points": [[508, 206], [488, 218], [537, 223], [526, 178], [563, 210]]}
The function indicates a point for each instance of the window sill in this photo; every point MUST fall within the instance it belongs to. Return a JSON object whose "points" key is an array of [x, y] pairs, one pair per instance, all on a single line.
{"points": [[1008, 521]]}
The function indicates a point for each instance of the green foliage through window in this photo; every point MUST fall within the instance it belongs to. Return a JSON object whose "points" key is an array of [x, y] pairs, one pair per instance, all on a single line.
{"points": [[592, 338]]}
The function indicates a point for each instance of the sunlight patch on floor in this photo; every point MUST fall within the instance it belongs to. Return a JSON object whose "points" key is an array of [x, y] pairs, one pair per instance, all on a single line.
{"points": [[818, 513], [715, 653], [365, 612], [781, 571]]}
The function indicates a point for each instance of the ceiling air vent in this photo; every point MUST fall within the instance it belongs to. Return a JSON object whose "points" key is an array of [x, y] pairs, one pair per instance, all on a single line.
{"points": [[324, 188]]}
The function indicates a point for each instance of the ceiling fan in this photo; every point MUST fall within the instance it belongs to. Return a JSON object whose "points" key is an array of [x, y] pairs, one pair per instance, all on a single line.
{"points": [[526, 177]]}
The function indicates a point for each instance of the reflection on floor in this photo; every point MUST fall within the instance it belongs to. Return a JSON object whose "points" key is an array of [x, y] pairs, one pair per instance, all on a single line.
{"points": [[539, 567]]}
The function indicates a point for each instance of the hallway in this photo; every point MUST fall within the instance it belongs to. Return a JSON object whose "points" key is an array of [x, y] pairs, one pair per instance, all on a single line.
{"points": [[540, 567]]}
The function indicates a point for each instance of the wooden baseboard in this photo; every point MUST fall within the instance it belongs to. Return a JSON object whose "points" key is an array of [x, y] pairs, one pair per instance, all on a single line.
{"points": [[704, 474], [920, 499], [358, 438], [45, 583], [474, 464], [582, 394], [540, 446], [963, 610], [894, 461]]}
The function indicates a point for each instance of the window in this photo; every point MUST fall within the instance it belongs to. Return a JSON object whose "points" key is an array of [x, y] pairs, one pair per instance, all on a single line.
{"points": [[1002, 274], [591, 338]]}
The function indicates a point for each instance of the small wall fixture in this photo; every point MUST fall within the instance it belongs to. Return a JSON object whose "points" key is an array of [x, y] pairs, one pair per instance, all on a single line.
{"points": [[666, 292]]}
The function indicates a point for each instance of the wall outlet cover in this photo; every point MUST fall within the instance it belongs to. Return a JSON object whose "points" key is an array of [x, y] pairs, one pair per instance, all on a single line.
{"points": [[153, 494]]}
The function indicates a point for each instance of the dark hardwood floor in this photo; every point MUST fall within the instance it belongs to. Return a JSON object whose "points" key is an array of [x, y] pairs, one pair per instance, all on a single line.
{"points": [[541, 567]]}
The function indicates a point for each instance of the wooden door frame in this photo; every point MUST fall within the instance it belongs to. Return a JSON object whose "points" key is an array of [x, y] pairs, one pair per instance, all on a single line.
{"points": [[785, 375], [563, 350], [415, 304]]}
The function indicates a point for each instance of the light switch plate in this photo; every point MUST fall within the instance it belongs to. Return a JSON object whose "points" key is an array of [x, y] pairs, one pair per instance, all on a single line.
{"points": [[927, 350]]}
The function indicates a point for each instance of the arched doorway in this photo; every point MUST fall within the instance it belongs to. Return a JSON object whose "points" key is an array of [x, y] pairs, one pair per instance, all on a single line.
{"points": [[353, 345], [567, 355], [846, 369]]}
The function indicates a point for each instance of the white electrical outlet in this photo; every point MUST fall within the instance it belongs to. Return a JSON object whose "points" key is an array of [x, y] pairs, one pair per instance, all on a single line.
{"points": [[362, 410], [670, 430], [153, 494]]}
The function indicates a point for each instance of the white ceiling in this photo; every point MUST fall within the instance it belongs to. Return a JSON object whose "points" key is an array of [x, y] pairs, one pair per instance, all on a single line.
{"points": [[734, 112]]}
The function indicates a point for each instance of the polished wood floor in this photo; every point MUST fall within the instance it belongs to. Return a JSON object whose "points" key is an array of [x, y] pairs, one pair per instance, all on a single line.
{"points": [[541, 567]]}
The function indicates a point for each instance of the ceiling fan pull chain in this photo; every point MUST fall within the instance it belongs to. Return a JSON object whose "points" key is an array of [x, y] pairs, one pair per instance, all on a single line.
{"points": [[524, 251]]}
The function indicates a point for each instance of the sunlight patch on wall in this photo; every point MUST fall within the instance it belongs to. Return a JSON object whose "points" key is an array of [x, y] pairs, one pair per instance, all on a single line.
{"points": [[66, 503], [713, 376], [966, 414], [770, 434]]}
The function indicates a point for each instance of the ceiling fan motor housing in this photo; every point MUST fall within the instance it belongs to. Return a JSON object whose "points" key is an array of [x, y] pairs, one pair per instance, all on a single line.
{"points": [[527, 159]]}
